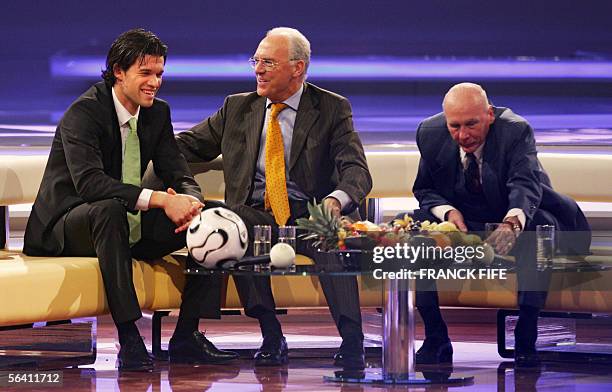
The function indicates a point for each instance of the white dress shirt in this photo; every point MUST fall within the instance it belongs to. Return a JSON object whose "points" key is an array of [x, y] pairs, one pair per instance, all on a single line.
{"points": [[440, 211], [286, 119], [124, 117]]}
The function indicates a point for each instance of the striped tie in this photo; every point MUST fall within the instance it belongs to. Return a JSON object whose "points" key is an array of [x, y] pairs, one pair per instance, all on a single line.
{"points": [[472, 174]]}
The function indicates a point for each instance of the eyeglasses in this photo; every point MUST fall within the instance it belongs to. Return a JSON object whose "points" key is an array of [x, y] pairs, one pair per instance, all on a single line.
{"points": [[269, 65]]}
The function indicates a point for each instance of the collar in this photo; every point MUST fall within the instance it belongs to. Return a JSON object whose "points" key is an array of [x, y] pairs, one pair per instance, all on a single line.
{"points": [[293, 101], [477, 153], [122, 113]]}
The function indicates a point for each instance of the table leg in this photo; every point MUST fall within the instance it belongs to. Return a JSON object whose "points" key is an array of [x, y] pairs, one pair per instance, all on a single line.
{"points": [[398, 330], [398, 362]]}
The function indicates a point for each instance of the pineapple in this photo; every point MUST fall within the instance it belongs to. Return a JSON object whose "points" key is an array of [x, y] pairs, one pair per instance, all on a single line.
{"points": [[322, 227]]}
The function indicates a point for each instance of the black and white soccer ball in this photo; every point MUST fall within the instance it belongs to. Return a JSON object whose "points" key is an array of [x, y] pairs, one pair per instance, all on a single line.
{"points": [[217, 238]]}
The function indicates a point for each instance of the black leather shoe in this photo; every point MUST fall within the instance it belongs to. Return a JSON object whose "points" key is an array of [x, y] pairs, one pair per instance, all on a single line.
{"points": [[133, 356], [527, 359], [351, 355], [350, 360], [435, 352], [197, 349], [273, 351]]}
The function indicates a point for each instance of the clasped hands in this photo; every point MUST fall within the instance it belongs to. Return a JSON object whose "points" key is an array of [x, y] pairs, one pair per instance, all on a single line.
{"points": [[179, 208], [502, 239]]}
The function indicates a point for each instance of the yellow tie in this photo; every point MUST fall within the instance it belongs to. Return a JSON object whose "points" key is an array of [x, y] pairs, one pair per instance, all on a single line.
{"points": [[276, 183]]}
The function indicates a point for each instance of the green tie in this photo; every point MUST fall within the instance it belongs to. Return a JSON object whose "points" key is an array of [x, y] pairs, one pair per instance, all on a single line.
{"points": [[131, 175]]}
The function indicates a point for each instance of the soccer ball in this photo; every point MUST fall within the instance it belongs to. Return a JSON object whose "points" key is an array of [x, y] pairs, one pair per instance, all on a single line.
{"points": [[216, 237]]}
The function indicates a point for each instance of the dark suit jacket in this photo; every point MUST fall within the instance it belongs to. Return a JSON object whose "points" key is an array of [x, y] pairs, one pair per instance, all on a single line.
{"points": [[326, 153], [512, 176], [85, 164]]}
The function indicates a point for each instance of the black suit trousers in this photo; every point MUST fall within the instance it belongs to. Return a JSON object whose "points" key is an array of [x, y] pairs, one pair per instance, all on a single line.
{"points": [[341, 293], [100, 229]]}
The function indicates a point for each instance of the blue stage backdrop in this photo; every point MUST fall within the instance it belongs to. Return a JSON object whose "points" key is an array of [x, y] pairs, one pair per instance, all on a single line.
{"points": [[34, 29], [392, 58]]}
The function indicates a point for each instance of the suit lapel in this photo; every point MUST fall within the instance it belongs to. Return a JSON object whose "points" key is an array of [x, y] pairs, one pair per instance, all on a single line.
{"points": [[116, 149], [144, 135], [114, 134], [489, 173], [447, 168], [307, 114], [253, 123]]}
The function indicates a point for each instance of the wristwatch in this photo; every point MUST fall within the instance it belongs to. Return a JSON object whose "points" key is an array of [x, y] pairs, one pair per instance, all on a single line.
{"points": [[515, 226]]}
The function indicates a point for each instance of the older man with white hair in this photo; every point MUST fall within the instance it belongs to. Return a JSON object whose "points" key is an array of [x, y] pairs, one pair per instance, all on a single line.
{"points": [[479, 164], [283, 145]]}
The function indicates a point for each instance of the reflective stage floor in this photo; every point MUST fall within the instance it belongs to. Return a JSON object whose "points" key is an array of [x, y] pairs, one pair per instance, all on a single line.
{"points": [[474, 345]]}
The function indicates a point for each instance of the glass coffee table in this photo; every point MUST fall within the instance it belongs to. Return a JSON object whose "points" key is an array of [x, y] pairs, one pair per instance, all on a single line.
{"points": [[398, 347]]}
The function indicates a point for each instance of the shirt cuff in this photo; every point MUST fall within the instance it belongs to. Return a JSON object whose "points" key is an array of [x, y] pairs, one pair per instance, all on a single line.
{"points": [[519, 214], [440, 211], [142, 204], [342, 197]]}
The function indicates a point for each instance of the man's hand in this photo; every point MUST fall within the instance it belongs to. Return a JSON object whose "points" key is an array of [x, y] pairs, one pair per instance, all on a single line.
{"points": [[193, 198], [502, 239], [456, 217], [179, 208], [332, 204], [194, 209]]}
